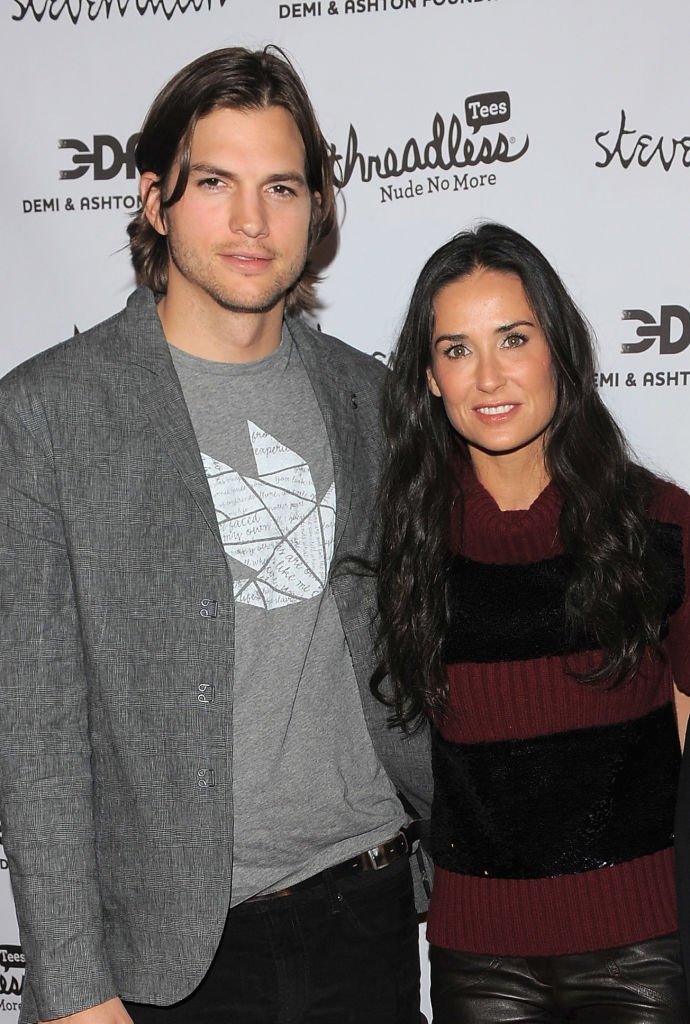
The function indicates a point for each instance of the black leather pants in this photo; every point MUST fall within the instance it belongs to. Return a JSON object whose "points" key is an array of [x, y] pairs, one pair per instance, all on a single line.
{"points": [[638, 984]]}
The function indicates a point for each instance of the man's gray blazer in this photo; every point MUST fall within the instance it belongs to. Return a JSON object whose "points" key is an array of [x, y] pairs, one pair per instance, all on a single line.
{"points": [[116, 606]]}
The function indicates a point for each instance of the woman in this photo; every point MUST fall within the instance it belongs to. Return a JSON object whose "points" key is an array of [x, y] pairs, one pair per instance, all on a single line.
{"points": [[533, 603]]}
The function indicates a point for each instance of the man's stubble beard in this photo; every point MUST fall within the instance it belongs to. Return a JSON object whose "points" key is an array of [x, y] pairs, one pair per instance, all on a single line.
{"points": [[189, 268]]}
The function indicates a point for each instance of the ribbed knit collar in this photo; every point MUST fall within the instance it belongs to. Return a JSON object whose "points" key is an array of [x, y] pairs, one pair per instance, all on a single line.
{"points": [[493, 535]]}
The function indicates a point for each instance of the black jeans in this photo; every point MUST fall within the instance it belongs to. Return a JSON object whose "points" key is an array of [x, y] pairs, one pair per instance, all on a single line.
{"points": [[340, 953], [638, 984]]}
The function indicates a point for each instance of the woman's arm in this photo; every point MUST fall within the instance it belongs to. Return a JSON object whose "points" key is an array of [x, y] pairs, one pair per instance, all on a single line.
{"points": [[682, 702]]}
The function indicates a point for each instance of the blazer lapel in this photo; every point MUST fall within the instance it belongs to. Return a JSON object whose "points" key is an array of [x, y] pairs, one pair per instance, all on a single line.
{"points": [[162, 400], [337, 401]]}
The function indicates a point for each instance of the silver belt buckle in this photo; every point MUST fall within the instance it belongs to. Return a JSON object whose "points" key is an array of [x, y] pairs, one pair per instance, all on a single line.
{"points": [[373, 854]]}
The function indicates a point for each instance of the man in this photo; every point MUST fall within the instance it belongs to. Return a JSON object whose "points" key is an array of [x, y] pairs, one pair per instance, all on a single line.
{"points": [[199, 795]]}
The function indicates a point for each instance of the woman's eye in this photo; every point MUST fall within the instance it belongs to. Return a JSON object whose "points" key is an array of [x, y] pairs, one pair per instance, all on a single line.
{"points": [[514, 341], [458, 351]]}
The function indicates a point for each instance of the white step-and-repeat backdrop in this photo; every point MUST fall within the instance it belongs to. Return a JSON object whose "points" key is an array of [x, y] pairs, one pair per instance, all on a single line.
{"points": [[567, 119]]}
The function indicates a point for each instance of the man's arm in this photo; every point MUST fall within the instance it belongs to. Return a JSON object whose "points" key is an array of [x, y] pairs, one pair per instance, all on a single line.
{"points": [[45, 773]]}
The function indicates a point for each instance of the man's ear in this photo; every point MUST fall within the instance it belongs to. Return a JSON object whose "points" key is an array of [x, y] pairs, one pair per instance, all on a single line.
{"points": [[150, 193], [431, 382], [314, 217]]}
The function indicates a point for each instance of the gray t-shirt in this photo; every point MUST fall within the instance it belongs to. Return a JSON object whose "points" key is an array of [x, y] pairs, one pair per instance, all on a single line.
{"points": [[309, 790]]}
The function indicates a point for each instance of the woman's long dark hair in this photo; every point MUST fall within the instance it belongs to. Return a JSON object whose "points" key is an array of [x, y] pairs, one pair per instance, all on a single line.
{"points": [[614, 587]]}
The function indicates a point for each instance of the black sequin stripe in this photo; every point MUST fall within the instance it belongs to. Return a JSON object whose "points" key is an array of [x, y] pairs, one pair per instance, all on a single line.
{"points": [[516, 612], [559, 804]]}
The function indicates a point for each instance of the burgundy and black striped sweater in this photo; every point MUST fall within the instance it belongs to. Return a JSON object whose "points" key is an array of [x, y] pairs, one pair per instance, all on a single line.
{"points": [[552, 826]]}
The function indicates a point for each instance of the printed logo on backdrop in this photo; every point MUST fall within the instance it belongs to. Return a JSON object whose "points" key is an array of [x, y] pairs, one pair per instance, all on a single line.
{"points": [[664, 333], [631, 147], [319, 8], [451, 157], [459, 157], [102, 158], [12, 964], [102, 10]]}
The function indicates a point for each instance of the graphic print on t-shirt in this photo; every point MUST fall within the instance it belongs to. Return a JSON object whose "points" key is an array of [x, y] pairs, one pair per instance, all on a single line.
{"points": [[274, 525]]}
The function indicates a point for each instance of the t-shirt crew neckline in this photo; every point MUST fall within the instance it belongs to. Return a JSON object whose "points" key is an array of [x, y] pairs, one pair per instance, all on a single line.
{"points": [[274, 362]]}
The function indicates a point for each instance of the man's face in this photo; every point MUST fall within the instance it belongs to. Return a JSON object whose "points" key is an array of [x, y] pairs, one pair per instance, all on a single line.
{"points": [[238, 237]]}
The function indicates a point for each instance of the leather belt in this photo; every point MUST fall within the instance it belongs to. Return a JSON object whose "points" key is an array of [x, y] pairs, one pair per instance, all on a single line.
{"points": [[374, 859]]}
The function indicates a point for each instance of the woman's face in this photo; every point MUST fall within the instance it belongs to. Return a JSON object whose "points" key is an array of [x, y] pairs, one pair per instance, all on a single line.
{"points": [[491, 365]]}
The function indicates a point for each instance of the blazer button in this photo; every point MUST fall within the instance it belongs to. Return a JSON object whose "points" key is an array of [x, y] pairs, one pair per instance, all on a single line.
{"points": [[205, 694], [208, 609], [205, 778]]}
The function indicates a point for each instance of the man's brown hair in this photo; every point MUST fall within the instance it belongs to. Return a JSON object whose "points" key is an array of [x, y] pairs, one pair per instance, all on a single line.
{"points": [[238, 79]]}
